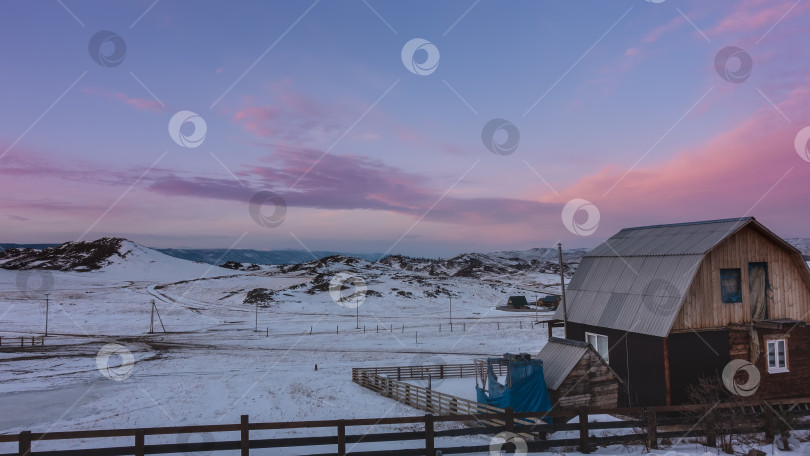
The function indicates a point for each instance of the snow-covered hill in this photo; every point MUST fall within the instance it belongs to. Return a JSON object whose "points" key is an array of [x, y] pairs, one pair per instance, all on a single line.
{"points": [[110, 258]]}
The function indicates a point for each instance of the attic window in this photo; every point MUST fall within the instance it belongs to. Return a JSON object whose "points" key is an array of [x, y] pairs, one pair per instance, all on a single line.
{"points": [[599, 342], [731, 285]]}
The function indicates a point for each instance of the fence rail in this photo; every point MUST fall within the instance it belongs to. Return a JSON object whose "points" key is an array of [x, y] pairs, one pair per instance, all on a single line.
{"points": [[650, 418], [425, 372], [427, 399], [22, 341]]}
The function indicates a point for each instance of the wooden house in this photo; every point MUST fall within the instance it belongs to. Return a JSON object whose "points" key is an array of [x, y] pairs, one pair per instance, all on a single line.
{"points": [[549, 301], [517, 302], [666, 305], [577, 376]]}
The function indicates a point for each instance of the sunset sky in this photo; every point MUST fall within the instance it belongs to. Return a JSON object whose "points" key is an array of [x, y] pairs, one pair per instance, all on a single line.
{"points": [[629, 108]]}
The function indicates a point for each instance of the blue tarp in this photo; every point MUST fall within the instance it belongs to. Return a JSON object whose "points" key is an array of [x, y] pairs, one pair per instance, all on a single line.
{"points": [[528, 392]]}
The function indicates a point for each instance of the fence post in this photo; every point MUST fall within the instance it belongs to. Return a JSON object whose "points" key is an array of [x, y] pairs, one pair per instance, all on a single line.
{"points": [[245, 436], [509, 419], [139, 443], [25, 443], [341, 438], [584, 446], [430, 448], [769, 427], [652, 430]]}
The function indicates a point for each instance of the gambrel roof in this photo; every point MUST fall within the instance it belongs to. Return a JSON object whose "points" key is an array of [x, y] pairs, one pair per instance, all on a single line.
{"points": [[636, 280]]}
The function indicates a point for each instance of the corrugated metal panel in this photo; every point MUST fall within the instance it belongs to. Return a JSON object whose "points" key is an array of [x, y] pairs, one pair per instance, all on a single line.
{"points": [[636, 280], [559, 359], [676, 239]]}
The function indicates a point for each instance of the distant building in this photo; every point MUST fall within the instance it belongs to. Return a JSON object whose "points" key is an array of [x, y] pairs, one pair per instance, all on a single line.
{"points": [[549, 301], [666, 305], [517, 302]]}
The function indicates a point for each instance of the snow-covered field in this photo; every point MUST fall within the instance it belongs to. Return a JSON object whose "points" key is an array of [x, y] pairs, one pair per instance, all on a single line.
{"points": [[210, 366]]}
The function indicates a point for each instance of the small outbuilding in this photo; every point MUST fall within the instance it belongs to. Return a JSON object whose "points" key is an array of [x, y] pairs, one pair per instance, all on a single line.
{"points": [[517, 302], [577, 376]]}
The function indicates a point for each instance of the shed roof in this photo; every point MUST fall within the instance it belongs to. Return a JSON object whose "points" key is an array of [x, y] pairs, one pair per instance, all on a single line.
{"points": [[636, 280], [559, 357]]}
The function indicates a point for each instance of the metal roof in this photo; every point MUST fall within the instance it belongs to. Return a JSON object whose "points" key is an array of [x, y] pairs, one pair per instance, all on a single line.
{"points": [[694, 238], [636, 280], [559, 357]]}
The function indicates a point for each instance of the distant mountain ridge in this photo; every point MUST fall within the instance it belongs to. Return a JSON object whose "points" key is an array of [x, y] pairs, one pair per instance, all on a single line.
{"points": [[251, 256]]}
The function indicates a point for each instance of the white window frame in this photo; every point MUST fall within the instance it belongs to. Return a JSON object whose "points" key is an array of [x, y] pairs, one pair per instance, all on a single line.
{"points": [[773, 344], [604, 343]]}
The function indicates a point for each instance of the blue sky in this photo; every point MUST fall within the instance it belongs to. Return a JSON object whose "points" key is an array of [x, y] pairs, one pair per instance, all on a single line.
{"points": [[618, 104]]}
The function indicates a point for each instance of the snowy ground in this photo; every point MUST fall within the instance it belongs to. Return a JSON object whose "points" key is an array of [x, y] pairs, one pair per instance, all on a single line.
{"points": [[211, 367]]}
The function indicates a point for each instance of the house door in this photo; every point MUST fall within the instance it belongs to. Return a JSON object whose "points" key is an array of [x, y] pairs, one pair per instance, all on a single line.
{"points": [[757, 290]]}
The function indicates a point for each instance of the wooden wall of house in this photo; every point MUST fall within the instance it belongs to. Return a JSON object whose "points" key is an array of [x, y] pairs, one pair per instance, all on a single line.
{"points": [[782, 385], [590, 384], [637, 359], [789, 296]]}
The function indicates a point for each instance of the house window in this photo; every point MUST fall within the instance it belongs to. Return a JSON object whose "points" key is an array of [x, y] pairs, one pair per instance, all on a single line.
{"points": [[731, 285], [599, 342], [777, 356]]}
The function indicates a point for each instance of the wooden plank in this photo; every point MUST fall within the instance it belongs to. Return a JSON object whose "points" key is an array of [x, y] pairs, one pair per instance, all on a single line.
{"points": [[24, 445], [245, 436], [342, 438]]}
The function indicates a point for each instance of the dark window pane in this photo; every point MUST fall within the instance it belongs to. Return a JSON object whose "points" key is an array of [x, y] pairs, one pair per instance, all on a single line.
{"points": [[731, 285]]}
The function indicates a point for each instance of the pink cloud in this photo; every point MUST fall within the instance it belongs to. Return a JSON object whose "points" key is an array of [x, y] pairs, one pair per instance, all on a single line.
{"points": [[141, 104], [753, 15], [724, 177], [656, 34]]}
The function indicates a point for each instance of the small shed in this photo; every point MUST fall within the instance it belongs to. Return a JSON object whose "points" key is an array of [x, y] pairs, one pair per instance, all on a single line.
{"points": [[576, 376], [517, 302]]}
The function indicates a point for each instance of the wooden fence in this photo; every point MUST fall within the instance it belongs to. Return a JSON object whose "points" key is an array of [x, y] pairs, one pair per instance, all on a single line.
{"points": [[426, 399], [646, 428], [425, 372], [22, 341]]}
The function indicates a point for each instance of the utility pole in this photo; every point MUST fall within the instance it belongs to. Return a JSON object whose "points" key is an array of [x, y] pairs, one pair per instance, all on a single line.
{"points": [[46, 313], [562, 287], [357, 314], [152, 319], [256, 329], [451, 311]]}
